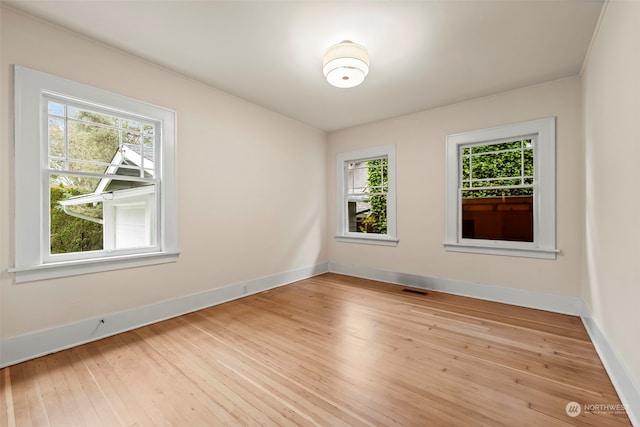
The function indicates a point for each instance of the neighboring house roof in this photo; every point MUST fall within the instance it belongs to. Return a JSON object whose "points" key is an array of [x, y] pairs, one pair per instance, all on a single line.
{"points": [[108, 195], [129, 155], [108, 189]]}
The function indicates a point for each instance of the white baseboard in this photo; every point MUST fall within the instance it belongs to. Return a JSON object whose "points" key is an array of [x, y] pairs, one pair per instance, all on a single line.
{"points": [[29, 346], [628, 390], [549, 302]]}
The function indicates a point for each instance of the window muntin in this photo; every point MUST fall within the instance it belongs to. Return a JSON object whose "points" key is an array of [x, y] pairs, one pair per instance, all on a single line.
{"points": [[366, 198], [529, 198], [497, 190]]}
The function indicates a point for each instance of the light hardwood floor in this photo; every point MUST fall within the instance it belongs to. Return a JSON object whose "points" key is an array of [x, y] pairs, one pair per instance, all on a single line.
{"points": [[331, 350]]}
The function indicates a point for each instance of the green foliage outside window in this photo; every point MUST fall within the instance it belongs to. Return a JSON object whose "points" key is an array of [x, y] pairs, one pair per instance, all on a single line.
{"points": [[87, 142], [378, 182], [71, 234], [497, 165]]}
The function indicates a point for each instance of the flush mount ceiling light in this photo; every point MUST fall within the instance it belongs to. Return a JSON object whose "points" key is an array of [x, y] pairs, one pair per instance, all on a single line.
{"points": [[346, 64]]}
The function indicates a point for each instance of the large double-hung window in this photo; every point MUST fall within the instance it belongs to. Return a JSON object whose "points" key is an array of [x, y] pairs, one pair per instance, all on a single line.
{"points": [[102, 181], [95, 179], [496, 191], [501, 190]]}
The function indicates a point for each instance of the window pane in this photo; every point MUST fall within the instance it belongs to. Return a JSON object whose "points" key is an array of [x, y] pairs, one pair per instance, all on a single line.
{"points": [[466, 171], [504, 213], [93, 143], [502, 192], [498, 218], [357, 180], [75, 166], [497, 147], [100, 143], [56, 109], [90, 116], [140, 156], [131, 125], [498, 165], [368, 184], [56, 136], [368, 216], [79, 229], [528, 162], [56, 164], [131, 138], [496, 182], [91, 214], [82, 184]]}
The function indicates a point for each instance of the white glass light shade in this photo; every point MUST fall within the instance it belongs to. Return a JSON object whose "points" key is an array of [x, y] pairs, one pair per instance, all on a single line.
{"points": [[346, 64]]}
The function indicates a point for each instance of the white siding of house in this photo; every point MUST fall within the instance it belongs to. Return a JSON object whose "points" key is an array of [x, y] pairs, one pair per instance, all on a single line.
{"points": [[130, 229]]}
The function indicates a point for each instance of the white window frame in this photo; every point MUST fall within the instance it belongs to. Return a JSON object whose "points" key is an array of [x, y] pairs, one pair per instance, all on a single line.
{"points": [[343, 234], [31, 160], [544, 211]]}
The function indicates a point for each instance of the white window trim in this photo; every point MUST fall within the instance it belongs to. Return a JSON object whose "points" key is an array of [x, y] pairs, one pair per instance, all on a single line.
{"points": [[30, 161], [342, 233], [544, 241]]}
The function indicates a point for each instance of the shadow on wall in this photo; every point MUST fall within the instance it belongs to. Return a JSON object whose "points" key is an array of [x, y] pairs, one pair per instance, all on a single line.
{"points": [[306, 245]]}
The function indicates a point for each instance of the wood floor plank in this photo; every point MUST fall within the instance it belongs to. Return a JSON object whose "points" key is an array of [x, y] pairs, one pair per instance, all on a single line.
{"points": [[85, 384], [68, 392], [117, 393], [33, 394], [7, 414], [212, 380], [327, 351], [309, 369]]}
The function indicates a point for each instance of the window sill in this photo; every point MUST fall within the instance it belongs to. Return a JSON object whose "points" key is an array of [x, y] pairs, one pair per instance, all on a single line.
{"points": [[88, 266], [368, 240], [526, 252]]}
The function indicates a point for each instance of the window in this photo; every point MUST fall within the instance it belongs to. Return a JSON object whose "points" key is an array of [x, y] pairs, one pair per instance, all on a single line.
{"points": [[95, 179], [367, 196], [497, 190], [501, 190]]}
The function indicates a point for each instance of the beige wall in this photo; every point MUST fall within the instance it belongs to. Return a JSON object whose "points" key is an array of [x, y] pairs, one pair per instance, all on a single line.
{"points": [[245, 205], [420, 142], [611, 92]]}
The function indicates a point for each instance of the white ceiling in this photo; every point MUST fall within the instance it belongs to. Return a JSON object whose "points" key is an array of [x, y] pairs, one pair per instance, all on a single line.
{"points": [[424, 54]]}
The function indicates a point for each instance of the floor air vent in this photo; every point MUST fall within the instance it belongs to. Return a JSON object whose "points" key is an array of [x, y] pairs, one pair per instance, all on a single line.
{"points": [[414, 291]]}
